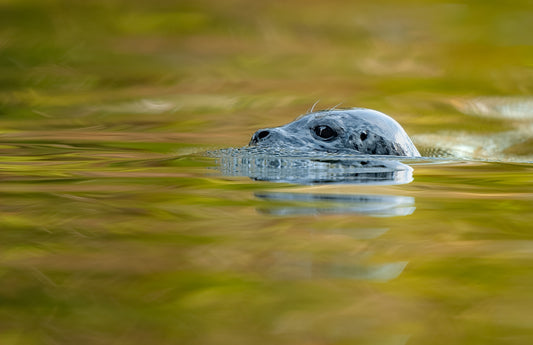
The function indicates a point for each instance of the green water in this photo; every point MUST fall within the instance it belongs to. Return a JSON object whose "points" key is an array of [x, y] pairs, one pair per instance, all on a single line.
{"points": [[116, 229]]}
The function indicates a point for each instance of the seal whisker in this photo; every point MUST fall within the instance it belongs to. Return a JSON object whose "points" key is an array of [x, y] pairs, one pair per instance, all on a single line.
{"points": [[335, 107], [313, 107]]}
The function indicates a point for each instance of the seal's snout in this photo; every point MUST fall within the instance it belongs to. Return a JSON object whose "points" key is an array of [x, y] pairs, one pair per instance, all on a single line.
{"points": [[259, 136]]}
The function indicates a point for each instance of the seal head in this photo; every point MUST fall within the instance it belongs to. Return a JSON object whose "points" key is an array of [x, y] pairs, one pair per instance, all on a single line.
{"points": [[356, 130]]}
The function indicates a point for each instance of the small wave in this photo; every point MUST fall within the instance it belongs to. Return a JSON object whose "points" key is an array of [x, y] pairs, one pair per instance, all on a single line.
{"points": [[516, 108]]}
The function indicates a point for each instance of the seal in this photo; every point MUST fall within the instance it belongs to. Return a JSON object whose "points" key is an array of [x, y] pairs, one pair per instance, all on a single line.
{"points": [[355, 130]]}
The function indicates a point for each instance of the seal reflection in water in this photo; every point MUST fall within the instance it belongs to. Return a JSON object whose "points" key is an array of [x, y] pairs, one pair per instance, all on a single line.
{"points": [[356, 130], [349, 147]]}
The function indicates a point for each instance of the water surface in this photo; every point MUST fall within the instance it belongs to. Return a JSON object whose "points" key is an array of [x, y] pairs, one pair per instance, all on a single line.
{"points": [[118, 228]]}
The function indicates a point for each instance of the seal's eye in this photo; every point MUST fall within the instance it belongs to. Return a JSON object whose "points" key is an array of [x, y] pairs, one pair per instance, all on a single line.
{"points": [[363, 136], [325, 132]]}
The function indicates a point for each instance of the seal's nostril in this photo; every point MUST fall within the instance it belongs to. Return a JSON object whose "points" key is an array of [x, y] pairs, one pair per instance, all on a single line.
{"points": [[262, 134], [258, 136]]}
